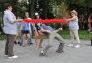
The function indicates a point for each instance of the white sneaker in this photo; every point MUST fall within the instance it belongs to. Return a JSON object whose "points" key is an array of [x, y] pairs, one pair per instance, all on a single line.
{"points": [[77, 46], [42, 53], [70, 45], [13, 57], [5, 55]]}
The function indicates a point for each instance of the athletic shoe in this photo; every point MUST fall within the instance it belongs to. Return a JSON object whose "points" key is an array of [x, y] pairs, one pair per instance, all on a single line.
{"points": [[59, 51], [42, 53], [77, 46], [13, 57], [5, 55], [70, 45]]}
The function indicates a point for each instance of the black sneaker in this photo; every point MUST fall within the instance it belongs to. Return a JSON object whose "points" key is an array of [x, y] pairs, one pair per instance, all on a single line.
{"points": [[59, 51], [15, 42], [18, 42], [60, 48], [30, 43]]}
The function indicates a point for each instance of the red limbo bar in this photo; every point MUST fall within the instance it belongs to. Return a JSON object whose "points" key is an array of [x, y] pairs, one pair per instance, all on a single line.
{"points": [[44, 21]]}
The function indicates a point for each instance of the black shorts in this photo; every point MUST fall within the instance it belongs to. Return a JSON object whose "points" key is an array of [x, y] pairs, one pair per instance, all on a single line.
{"points": [[46, 33], [25, 31]]}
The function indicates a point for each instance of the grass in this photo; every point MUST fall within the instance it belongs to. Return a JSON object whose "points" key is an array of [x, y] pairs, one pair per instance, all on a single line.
{"points": [[83, 34], [2, 37]]}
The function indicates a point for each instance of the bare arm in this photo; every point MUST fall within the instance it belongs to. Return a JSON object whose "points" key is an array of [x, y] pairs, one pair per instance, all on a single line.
{"points": [[58, 30], [71, 19], [17, 20]]}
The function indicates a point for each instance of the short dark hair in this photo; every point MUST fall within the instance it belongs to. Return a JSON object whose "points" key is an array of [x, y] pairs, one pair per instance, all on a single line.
{"points": [[6, 5]]}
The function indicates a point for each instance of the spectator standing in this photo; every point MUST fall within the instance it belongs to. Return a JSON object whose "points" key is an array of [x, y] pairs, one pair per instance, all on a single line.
{"points": [[10, 29], [74, 27]]}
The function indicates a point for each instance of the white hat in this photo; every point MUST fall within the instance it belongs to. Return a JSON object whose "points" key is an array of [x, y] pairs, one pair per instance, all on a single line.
{"points": [[36, 13]]}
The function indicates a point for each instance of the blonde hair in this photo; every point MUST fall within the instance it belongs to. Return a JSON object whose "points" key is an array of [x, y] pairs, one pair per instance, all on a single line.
{"points": [[75, 12]]}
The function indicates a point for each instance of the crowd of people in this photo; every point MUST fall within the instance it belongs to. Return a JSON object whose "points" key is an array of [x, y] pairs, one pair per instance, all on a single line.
{"points": [[18, 31]]}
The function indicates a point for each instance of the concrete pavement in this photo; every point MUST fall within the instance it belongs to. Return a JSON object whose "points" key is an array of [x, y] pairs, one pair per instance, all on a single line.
{"points": [[30, 54]]}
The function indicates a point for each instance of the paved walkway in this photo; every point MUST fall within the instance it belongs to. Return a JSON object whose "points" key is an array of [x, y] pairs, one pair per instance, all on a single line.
{"points": [[30, 54]]}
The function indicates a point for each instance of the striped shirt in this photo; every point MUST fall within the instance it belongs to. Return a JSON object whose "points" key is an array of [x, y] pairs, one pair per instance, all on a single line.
{"points": [[73, 25], [9, 28]]}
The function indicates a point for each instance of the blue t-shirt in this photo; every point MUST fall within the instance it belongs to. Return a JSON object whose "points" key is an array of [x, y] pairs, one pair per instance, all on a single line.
{"points": [[45, 27], [25, 26], [18, 25]]}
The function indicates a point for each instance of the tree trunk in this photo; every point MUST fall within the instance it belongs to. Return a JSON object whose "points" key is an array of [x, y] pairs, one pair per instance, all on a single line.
{"points": [[32, 8]]}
